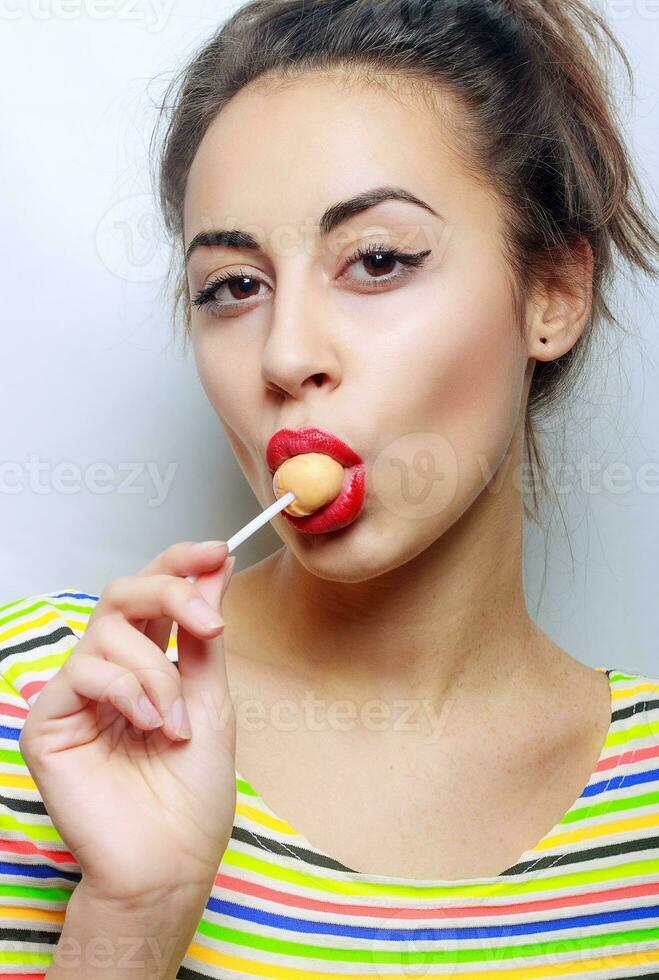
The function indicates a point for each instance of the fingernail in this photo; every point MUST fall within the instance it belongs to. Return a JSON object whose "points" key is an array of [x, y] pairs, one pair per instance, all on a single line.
{"points": [[181, 719], [204, 614], [150, 711], [211, 545]]}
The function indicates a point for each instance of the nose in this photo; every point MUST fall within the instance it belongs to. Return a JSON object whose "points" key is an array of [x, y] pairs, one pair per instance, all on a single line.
{"points": [[300, 352]]}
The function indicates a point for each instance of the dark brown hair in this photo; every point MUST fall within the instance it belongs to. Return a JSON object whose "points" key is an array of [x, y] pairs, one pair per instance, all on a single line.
{"points": [[537, 125]]}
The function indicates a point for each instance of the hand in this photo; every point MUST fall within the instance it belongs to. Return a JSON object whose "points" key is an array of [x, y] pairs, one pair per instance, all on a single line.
{"points": [[142, 811]]}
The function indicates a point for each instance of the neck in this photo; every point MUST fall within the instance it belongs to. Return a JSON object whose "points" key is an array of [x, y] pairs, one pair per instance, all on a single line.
{"points": [[450, 623]]}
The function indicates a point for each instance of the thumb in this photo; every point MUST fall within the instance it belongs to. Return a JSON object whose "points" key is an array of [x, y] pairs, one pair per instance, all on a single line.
{"points": [[201, 661]]}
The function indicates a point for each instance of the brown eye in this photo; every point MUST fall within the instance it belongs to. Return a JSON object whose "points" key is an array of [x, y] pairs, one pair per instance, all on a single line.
{"points": [[375, 263], [381, 262], [241, 287]]}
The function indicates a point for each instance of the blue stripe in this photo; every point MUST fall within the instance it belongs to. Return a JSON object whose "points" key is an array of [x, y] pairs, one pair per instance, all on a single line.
{"points": [[72, 595], [619, 782], [37, 871], [429, 934]]}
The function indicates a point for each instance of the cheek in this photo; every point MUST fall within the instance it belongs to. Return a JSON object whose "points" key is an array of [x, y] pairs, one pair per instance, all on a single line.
{"points": [[224, 382], [461, 371], [222, 373], [209, 369]]}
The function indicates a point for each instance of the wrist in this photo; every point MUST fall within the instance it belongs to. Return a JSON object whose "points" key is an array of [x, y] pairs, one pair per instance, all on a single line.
{"points": [[158, 902], [117, 939]]}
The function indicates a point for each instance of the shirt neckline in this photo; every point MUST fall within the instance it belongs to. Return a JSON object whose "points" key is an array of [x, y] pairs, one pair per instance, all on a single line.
{"points": [[532, 854]]}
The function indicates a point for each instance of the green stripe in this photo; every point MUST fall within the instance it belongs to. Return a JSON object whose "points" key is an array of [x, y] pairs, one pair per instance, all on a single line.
{"points": [[45, 893], [35, 831], [495, 888], [633, 733], [71, 606], [40, 604], [11, 758], [243, 787], [27, 959], [610, 806], [286, 947], [14, 602], [44, 604]]}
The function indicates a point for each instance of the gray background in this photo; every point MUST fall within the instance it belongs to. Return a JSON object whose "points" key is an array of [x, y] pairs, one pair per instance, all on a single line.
{"points": [[91, 376]]}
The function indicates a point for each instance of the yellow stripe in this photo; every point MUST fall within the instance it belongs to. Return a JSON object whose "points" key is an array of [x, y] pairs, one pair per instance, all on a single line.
{"points": [[6, 688], [264, 819], [601, 830], [51, 662], [18, 782], [35, 622], [627, 692], [44, 915]]}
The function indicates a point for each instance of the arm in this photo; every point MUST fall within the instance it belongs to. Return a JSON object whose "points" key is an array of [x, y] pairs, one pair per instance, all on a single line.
{"points": [[100, 941]]}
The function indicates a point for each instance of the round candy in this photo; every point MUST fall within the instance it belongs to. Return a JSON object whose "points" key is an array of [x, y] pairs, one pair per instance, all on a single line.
{"points": [[314, 478]]}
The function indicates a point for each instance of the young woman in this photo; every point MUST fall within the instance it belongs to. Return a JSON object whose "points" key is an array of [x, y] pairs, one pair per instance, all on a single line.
{"points": [[395, 226]]}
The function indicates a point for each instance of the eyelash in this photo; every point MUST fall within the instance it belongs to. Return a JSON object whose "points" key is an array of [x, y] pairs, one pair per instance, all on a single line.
{"points": [[410, 260]]}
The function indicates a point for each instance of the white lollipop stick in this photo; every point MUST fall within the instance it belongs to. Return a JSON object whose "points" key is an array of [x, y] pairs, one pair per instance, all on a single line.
{"points": [[252, 526]]}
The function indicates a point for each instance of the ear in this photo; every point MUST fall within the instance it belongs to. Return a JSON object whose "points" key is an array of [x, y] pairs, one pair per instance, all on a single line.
{"points": [[558, 312]]}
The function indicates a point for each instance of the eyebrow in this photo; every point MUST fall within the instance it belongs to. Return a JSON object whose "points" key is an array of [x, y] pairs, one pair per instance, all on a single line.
{"points": [[335, 215]]}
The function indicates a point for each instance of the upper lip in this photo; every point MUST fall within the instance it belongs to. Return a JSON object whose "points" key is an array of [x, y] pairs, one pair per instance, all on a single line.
{"points": [[308, 439]]}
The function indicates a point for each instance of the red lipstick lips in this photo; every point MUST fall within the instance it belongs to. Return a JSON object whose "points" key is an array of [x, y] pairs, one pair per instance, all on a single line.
{"points": [[343, 509]]}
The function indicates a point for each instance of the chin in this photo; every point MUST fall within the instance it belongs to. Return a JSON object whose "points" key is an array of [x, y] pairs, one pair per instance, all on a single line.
{"points": [[358, 552]]}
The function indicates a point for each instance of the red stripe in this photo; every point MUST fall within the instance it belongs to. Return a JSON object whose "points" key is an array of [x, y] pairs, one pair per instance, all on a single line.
{"points": [[32, 687], [13, 710], [631, 755], [444, 912], [27, 847], [22, 976]]}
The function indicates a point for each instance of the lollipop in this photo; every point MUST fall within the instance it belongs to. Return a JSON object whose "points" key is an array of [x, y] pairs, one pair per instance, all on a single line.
{"points": [[314, 478], [302, 484]]}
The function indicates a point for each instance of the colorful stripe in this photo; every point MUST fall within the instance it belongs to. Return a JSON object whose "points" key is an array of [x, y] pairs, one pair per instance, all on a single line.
{"points": [[583, 902]]}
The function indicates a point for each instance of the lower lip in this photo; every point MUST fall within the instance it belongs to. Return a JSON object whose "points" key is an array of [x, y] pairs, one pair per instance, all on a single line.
{"points": [[338, 513]]}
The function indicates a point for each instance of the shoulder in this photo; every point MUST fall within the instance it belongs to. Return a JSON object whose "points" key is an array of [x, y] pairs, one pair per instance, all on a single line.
{"points": [[635, 698], [37, 871], [633, 739], [37, 634]]}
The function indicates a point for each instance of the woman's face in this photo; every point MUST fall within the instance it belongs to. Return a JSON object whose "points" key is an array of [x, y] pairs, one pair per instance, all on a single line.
{"points": [[419, 368]]}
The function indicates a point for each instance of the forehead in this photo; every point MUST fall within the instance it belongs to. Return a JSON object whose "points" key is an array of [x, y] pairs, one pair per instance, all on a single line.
{"points": [[278, 152]]}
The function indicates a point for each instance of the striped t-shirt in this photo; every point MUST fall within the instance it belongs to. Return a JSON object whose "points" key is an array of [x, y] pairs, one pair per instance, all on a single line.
{"points": [[583, 902]]}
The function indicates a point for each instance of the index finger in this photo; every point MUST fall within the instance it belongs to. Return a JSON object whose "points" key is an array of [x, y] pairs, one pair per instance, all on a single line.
{"points": [[187, 557], [179, 559]]}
